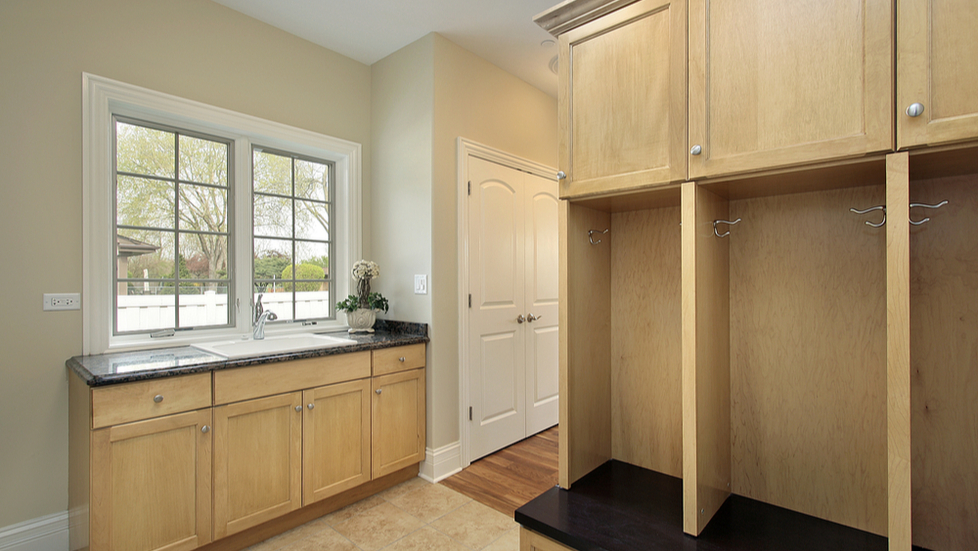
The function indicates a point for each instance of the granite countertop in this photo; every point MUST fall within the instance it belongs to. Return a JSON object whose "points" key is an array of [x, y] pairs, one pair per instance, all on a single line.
{"points": [[140, 365]]}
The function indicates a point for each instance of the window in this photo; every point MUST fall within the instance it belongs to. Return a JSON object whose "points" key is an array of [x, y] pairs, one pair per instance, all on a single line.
{"points": [[291, 234], [171, 227], [192, 212]]}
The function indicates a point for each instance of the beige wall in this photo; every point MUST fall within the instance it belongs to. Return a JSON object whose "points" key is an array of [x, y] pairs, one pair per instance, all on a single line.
{"points": [[425, 97], [195, 49]]}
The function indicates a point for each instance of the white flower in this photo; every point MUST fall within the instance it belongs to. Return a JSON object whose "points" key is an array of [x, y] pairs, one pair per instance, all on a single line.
{"points": [[365, 269]]}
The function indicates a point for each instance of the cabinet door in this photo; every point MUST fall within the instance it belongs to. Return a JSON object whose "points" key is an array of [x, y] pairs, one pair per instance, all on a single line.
{"points": [[257, 461], [936, 50], [622, 100], [151, 484], [336, 439], [775, 83], [398, 421]]}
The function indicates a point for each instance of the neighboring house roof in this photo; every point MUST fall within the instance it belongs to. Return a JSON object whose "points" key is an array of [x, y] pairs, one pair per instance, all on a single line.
{"points": [[127, 246]]}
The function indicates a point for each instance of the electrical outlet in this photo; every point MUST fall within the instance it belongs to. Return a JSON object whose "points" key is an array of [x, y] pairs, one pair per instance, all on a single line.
{"points": [[421, 284], [62, 301]]}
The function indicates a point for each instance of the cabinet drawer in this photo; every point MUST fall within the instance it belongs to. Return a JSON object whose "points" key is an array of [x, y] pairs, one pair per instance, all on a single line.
{"points": [[234, 385], [392, 360], [117, 404]]}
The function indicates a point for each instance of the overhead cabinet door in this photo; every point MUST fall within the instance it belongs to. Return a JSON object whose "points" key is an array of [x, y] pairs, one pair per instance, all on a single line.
{"points": [[775, 83], [622, 104], [937, 77]]}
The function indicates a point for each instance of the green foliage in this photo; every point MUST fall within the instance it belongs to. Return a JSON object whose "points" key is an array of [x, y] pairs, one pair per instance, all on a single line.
{"points": [[271, 265], [321, 261], [376, 300], [304, 271]]}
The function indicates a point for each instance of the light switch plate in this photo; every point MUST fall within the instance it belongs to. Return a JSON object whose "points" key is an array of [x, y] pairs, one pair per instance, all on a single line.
{"points": [[62, 301], [421, 284]]}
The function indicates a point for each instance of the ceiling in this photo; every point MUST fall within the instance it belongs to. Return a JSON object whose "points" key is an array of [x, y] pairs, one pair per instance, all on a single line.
{"points": [[499, 31]]}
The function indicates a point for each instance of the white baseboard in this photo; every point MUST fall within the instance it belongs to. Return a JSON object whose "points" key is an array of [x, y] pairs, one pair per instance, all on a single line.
{"points": [[48, 533], [441, 463]]}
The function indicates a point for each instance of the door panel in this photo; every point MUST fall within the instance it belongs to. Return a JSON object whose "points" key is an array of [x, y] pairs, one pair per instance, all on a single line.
{"points": [[496, 338], [336, 439], [257, 461], [398, 421], [151, 484], [760, 96], [934, 38], [542, 298]]}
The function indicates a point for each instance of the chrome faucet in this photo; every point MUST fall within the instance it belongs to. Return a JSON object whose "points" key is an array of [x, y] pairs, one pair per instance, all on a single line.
{"points": [[261, 316]]}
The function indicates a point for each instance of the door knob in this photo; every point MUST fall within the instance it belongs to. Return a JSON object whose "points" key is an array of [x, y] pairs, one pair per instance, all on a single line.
{"points": [[520, 318], [915, 109], [530, 317]]}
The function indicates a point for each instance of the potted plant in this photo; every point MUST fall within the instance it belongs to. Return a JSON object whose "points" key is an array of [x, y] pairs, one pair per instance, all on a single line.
{"points": [[361, 308]]}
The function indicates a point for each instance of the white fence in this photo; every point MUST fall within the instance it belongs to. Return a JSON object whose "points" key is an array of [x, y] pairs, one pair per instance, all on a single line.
{"points": [[146, 312]]}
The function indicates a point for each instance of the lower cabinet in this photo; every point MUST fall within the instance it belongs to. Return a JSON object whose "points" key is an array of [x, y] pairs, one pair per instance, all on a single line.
{"points": [[151, 484], [336, 439], [398, 421], [257, 461], [532, 541], [175, 463]]}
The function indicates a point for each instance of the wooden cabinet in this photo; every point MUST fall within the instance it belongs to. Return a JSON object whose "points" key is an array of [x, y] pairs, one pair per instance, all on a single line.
{"points": [[532, 541], [257, 461], [936, 49], [622, 100], [161, 465], [774, 83], [398, 421], [336, 439], [151, 484]]}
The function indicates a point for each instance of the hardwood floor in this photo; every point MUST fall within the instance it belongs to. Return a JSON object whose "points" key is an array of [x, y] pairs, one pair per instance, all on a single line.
{"points": [[509, 478]]}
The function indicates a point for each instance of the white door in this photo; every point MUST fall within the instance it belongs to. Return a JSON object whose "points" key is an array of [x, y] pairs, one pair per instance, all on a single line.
{"points": [[512, 251]]}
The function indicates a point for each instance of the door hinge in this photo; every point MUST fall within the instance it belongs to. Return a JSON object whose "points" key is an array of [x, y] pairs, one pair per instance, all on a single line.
{"points": [[470, 187], [470, 413], [470, 300]]}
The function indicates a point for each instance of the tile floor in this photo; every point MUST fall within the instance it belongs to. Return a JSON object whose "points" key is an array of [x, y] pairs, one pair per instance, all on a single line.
{"points": [[412, 516]]}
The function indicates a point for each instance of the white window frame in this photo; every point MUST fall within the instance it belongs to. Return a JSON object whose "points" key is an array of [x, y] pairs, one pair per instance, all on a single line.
{"points": [[101, 99]]}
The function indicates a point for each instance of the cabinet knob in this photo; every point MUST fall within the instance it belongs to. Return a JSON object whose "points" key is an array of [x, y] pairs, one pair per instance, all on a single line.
{"points": [[158, 398], [520, 318], [696, 150], [378, 390], [311, 406], [204, 429], [561, 175], [915, 109], [298, 408], [401, 359]]}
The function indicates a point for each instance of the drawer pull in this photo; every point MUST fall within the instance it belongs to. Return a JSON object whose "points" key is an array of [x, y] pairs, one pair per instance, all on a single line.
{"points": [[158, 398], [204, 429], [401, 359]]}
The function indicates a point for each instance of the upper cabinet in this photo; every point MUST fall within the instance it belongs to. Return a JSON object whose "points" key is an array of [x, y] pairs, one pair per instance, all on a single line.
{"points": [[775, 83], [622, 99], [936, 74]]}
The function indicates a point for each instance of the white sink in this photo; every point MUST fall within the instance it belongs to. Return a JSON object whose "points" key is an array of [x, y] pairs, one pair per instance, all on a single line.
{"points": [[271, 345]]}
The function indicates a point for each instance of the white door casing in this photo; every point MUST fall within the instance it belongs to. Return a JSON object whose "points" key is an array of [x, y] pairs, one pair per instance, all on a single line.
{"points": [[509, 266]]}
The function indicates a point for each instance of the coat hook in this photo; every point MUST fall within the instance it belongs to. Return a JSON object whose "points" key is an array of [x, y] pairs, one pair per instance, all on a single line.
{"points": [[590, 235], [728, 222], [871, 209], [925, 206]]}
